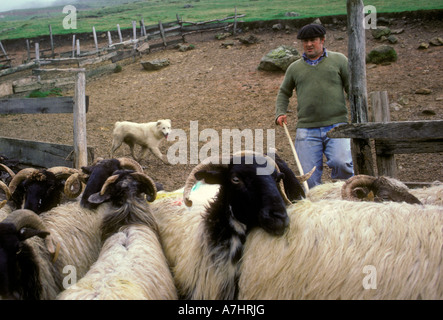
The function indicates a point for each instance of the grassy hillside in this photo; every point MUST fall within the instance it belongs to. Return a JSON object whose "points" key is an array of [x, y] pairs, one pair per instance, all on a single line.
{"points": [[104, 15]]}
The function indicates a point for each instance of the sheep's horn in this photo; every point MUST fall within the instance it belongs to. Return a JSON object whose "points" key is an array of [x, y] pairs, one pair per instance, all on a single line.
{"points": [[306, 176], [6, 190], [208, 163], [358, 181], [151, 190], [7, 170], [108, 182], [127, 163], [73, 185], [62, 172], [19, 177], [27, 218]]}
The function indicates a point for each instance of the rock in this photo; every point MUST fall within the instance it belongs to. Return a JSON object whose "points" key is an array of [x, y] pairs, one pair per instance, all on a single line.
{"points": [[436, 41], [292, 14], [155, 64], [227, 44], [423, 91], [277, 27], [279, 59], [397, 31], [392, 39], [222, 36], [380, 31], [249, 40], [317, 21], [423, 46], [382, 54], [184, 47], [428, 112], [403, 100], [395, 106]]}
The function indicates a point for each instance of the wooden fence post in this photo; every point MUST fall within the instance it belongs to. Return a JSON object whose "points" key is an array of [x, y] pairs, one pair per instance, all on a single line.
{"points": [[235, 22], [162, 33], [78, 47], [380, 113], [95, 38], [109, 38], [119, 33], [142, 28], [134, 30], [37, 52], [52, 42], [73, 45], [28, 49], [80, 145], [361, 149]]}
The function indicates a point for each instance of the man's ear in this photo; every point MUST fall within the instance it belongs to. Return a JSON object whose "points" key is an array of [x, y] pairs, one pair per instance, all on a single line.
{"points": [[210, 177]]}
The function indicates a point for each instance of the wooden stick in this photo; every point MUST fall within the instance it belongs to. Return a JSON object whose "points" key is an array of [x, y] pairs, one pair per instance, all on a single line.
{"points": [[300, 169]]}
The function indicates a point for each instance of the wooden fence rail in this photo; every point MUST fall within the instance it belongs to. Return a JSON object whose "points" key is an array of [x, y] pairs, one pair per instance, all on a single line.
{"points": [[43, 154]]}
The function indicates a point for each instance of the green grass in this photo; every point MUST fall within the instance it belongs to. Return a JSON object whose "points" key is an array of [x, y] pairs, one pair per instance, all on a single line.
{"points": [[105, 15]]}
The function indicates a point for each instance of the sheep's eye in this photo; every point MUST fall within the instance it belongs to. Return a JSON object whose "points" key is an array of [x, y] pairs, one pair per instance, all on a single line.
{"points": [[235, 180]]}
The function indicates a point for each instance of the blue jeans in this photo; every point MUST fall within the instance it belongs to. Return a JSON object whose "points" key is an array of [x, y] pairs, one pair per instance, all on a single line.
{"points": [[311, 143]]}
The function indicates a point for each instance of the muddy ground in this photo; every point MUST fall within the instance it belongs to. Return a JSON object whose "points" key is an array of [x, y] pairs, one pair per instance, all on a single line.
{"points": [[221, 88]]}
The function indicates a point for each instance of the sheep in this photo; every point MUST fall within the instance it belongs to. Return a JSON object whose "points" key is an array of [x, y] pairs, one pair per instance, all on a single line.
{"points": [[338, 249], [204, 246], [75, 240], [38, 190], [33, 268], [131, 264], [363, 187], [147, 135], [205, 269]]}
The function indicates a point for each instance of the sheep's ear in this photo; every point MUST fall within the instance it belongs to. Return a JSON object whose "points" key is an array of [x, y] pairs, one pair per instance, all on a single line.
{"points": [[280, 176], [210, 177], [86, 170], [26, 233], [97, 198]]}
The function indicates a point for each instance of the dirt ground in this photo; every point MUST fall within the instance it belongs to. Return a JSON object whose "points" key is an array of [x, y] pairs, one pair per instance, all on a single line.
{"points": [[221, 88]]}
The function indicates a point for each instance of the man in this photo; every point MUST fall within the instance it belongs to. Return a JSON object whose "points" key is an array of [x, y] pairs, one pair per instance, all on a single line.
{"points": [[320, 79]]}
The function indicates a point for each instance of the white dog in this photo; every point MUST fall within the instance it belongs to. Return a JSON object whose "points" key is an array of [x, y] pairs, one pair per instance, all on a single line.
{"points": [[147, 135]]}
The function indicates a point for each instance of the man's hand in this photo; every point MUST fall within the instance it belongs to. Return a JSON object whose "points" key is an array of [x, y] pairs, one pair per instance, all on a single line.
{"points": [[281, 119]]}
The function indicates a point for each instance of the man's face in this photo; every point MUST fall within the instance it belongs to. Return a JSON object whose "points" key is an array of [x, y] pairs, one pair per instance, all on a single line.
{"points": [[313, 47]]}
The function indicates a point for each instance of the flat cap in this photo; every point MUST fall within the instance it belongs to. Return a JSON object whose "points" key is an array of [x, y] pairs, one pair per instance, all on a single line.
{"points": [[312, 30]]}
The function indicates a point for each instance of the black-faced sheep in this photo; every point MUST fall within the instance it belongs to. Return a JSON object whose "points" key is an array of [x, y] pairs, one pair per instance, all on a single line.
{"points": [[75, 240], [383, 235], [204, 246], [131, 265], [34, 268], [38, 190]]}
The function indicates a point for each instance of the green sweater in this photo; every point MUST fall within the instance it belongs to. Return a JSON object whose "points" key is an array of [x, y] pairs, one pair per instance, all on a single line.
{"points": [[320, 96]]}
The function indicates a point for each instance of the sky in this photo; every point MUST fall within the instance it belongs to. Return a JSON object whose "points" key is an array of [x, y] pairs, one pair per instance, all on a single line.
{"points": [[6, 5]]}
